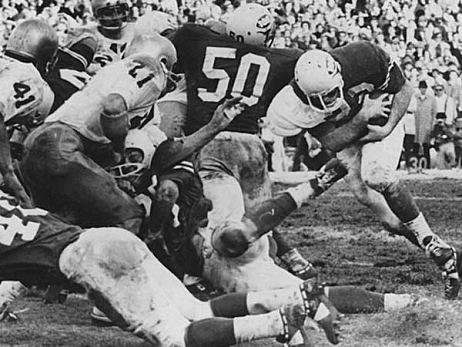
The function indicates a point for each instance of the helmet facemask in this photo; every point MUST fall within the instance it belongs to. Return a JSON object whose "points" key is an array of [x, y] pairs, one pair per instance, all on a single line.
{"points": [[327, 101], [113, 17]]}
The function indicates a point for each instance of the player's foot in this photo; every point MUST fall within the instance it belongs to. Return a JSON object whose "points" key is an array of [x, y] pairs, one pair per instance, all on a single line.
{"points": [[448, 260], [298, 265], [451, 276], [330, 173], [293, 320], [6, 315], [319, 308], [98, 318]]}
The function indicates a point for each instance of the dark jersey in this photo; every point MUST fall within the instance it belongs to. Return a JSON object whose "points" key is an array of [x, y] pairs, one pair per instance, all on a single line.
{"points": [[31, 242], [217, 67], [365, 68], [67, 77]]}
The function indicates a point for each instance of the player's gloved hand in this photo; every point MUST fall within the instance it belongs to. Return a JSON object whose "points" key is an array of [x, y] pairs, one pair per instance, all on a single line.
{"points": [[226, 112], [376, 112], [14, 187]]}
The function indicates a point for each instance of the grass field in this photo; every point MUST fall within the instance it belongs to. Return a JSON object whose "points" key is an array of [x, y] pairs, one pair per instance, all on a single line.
{"points": [[346, 243]]}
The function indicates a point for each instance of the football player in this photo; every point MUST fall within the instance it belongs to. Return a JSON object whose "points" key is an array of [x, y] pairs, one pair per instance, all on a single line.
{"points": [[112, 30], [352, 100], [111, 264], [64, 159], [216, 67], [180, 215], [69, 74], [26, 98]]}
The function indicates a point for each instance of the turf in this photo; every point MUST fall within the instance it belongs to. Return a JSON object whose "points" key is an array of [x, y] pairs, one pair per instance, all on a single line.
{"points": [[348, 246]]}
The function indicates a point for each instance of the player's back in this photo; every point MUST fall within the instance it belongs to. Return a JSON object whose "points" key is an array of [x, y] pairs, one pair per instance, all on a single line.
{"points": [[24, 92], [139, 80], [366, 67], [218, 67]]}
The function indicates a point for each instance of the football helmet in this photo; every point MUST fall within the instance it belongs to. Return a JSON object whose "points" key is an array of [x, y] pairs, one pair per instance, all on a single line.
{"points": [[154, 22], [159, 48], [252, 24], [138, 153], [36, 41], [319, 77], [153, 45], [111, 14]]}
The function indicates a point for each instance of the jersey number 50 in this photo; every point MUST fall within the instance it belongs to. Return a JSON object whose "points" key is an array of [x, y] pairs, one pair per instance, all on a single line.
{"points": [[242, 74]]}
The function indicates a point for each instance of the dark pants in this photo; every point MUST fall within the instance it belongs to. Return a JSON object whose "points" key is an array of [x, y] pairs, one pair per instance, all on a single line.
{"points": [[62, 177]]}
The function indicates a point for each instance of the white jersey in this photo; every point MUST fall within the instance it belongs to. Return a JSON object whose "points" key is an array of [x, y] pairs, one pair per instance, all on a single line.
{"points": [[109, 50], [138, 79], [24, 92], [287, 115]]}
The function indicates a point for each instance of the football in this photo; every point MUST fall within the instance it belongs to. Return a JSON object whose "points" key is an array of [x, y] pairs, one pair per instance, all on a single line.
{"points": [[380, 120]]}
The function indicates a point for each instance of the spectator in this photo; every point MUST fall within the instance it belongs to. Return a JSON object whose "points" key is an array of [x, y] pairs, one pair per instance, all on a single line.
{"points": [[424, 118], [445, 105], [409, 133], [442, 139], [458, 141]]}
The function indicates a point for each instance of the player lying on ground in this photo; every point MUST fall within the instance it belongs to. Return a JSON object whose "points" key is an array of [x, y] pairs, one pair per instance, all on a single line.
{"points": [[180, 239], [332, 96], [111, 264]]}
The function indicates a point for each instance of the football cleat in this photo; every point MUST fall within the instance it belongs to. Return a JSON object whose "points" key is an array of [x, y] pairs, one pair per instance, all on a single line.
{"points": [[319, 308], [330, 173], [449, 261], [293, 320], [298, 265], [98, 318], [6, 315]]}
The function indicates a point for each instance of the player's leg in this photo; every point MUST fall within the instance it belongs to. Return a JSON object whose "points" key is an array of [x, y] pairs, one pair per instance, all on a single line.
{"points": [[58, 172], [352, 158], [119, 273], [244, 157], [379, 161]]}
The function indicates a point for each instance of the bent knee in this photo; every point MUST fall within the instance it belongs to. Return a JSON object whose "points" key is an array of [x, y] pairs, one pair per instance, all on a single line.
{"points": [[115, 250], [379, 179]]}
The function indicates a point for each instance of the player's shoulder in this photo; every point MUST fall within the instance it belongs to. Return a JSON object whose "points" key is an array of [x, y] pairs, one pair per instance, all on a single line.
{"points": [[359, 51], [15, 68]]}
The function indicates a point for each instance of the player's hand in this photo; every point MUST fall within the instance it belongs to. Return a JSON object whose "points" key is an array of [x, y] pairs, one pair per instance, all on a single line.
{"points": [[226, 112], [376, 109], [376, 112], [14, 187]]}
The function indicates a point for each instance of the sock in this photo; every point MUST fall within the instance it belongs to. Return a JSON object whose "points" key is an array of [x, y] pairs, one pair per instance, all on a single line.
{"points": [[211, 332], [251, 328], [230, 305], [393, 302], [420, 228], [351, 299]]}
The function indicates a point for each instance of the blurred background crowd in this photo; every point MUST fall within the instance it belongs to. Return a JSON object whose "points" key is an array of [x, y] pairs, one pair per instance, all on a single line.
{"points": [[424, 36]]}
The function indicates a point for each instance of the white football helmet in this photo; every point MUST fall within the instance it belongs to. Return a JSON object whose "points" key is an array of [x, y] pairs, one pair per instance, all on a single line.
{"points": [[252, 24], [138, 153], [153, 45], [161, 50], [319, 77], [35, 40], [155, 22], [111, 14]]}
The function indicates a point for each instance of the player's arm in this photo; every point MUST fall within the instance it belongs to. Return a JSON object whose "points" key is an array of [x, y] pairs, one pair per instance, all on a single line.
{"points": [[222, 117], [233, 238], [399, 107], [114, 120], [337, 138], [10, 179]]}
